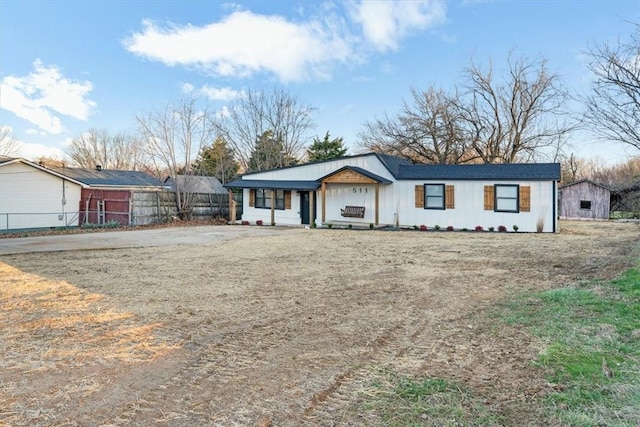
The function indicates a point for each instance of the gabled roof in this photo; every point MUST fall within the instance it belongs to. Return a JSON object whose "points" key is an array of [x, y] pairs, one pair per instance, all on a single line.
{"points": [[392, 163], [110, 178], [583, 181], [197, 184], [6, 161], [402, 169], [360, 171], [495, 172], [274, 184]]}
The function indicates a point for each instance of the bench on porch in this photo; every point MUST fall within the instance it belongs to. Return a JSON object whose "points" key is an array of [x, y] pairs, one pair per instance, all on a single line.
{"points": [[352, 211]]}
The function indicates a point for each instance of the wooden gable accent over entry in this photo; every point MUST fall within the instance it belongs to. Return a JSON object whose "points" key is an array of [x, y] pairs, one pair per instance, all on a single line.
{"points": [[348, 176], [353, 175]]}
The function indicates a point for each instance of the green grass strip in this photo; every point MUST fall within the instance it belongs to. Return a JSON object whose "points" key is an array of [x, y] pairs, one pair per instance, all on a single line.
{"points": [[583, 327]]}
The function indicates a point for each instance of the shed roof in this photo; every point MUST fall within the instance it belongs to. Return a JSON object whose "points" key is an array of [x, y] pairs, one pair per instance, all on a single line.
{"points": [[110, 178], [198, 184], [581, 181]]}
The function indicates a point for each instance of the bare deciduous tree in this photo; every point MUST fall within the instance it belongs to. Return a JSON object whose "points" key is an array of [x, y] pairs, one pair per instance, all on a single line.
{"points": [[8, 145], [258, 112], [426, 131], [95, 147], [518, 119], [172, 139], [613, 108], [486, 120]]}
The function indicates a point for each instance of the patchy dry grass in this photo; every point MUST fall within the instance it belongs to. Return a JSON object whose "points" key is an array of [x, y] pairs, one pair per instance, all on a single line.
{"points": [[304, 327]]}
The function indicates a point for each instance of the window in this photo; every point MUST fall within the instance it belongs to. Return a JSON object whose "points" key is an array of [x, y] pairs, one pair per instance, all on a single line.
{"points": [[434, 196], [506, 198], [585, 204], [263, 199]]}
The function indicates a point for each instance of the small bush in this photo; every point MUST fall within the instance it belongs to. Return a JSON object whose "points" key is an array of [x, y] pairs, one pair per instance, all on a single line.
{"points": [[370, 226], [273, 224], [245, 222], [350, 226], [259, 222], [313, 224], [540, 225], [515, 228], [491, 228], [479, 228], [465, 229], [423, 227], [436, 227], [502, 228], [450, 228], [330, 225]]}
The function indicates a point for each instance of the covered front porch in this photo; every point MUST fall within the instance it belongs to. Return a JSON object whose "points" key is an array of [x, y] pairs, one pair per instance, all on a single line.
{"points": [[349, 194]]}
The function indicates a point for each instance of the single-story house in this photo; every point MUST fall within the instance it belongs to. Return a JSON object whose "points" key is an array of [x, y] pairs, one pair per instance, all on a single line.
{"points": [[33, 196], [584, 199], [107, 194], [380, 189]]}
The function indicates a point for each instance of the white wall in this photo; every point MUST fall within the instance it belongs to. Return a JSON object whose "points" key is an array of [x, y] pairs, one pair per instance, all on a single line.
{"points": [[469, 207], [31, 198], [282, 217], [397, 200]]}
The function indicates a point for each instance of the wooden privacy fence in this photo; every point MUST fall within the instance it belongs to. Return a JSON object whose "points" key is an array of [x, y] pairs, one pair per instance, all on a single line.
{"points": [[148, 207]]}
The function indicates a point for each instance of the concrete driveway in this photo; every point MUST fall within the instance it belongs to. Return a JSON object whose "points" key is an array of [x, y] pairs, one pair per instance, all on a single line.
{"points": [[133, 238]]}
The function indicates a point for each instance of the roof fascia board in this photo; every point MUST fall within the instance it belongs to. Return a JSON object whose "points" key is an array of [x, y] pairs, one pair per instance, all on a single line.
{"points": [[44, 169]]}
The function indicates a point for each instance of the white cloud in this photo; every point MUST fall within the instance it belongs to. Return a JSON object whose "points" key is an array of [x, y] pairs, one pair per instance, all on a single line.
{"points": [[221, 93], [243, 44], [385, 23], [34, 151], [44, 95], [223, 113]]}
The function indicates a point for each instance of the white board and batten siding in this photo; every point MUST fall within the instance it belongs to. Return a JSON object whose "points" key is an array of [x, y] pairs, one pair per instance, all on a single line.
{"points": [[337, 195], [33, 198], [466, 204]]}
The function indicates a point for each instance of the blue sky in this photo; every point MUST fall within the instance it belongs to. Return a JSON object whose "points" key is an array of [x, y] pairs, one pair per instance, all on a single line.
{"points": [[69, 66]]}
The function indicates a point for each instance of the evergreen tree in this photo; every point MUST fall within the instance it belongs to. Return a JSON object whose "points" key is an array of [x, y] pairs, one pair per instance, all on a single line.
{"points": [[269, 153], [217, 160], [326, 149]]}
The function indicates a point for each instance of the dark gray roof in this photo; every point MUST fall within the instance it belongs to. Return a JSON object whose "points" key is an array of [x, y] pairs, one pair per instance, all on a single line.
{"points": [[361, 171], [500, 172], [392, 163], [197, 184], [274, 184], [110, 178]]}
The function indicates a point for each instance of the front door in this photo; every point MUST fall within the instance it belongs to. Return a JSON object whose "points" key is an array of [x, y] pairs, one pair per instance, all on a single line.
{"points": [[304, 207]]}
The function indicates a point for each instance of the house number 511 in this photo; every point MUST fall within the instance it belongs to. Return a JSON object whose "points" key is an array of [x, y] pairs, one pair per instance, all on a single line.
{"points": [[359, 190]]}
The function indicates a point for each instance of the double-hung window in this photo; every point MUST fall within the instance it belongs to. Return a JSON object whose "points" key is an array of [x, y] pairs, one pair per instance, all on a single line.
{"points": [[506, 198], [263, 199], [434, 196]]}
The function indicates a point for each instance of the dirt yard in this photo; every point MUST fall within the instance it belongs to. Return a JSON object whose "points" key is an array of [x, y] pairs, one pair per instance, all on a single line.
{"points": [[282, 330]]}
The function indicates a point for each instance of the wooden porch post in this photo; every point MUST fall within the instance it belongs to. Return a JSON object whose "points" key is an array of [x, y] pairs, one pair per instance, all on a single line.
{"points": [[312, 217], [324, 201], [232, 208], [273, 207], [377, 208]]}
